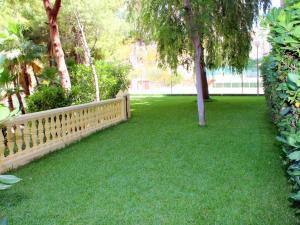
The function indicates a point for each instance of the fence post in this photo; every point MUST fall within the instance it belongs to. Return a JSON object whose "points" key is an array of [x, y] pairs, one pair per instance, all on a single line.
{"points": [[127, 102], [126, 106]]}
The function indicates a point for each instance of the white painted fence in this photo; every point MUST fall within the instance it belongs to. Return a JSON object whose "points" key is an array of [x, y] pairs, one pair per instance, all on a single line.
{"points": [[31, 136]]}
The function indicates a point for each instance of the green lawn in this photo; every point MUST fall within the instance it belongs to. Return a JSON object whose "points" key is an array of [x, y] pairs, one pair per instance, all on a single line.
{"points": [[161, 168]]}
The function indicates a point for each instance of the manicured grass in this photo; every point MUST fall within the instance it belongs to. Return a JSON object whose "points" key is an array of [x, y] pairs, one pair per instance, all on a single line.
{"points": [[161, 168]]}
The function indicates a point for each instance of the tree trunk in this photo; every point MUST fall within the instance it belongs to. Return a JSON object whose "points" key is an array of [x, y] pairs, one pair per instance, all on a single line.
{"points": [[199, 77], [204, 82], [10, 102], [25, 81], [50, 54], [204, 76], [19, 97], [87, 53], [58, 52], [36, 80], [79, 59], [77, 44], [195, 38]]}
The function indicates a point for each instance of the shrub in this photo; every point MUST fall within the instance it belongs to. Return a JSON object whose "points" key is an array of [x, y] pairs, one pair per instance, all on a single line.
{"points": [[271, 81], [281, 73], [48, 97], [83, 89], [112, 78]]}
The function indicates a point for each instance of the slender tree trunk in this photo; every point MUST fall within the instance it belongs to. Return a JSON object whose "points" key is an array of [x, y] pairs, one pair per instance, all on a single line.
{"points": [[49, 52], [21, 105], [26, 80], [281, 3], [86, 50], [199, 75], [77, 44], [195, 38], [10, 102], [58, 52], [36, 80], [204, 77], [19, 97], [90, 59], [204, 84]]}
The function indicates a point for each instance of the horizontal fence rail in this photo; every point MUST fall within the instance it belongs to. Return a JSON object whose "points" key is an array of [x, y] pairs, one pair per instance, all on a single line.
{"points": [[33, 135]]}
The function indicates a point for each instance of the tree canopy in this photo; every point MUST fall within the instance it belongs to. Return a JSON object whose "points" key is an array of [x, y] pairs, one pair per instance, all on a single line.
{"points": [[41, 44], [215, 33], [225, 29]]}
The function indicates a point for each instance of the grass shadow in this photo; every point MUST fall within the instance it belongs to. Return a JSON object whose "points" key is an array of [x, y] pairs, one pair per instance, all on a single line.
{"points": [[11, 199]]}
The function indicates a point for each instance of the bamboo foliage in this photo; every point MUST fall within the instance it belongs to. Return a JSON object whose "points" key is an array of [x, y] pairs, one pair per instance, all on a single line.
{"points": [[33, 135]]}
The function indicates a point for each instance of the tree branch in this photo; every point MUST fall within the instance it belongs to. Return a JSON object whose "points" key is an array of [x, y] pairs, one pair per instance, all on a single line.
{"points": [[47, 6], [96, 40], [189, 20], [56, 8]]}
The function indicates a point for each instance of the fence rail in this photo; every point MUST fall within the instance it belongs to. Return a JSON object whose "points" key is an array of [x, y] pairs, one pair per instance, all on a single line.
{"points": [[31, 136]]}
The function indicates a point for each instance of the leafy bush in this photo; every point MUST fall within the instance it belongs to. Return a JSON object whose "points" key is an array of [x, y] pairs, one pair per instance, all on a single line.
{"points": [[48, 97], [281, 73], [49, 76], [271, 81], [83, 89], [112, 78]]}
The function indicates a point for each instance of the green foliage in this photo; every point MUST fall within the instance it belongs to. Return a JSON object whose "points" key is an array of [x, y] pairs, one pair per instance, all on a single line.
{"points": [[6, 181], [83, 88], [281, 73], [104, 22], [48, 97], [271, 85], [225, 28], [4, 113], [49, 76], [112, 78]]}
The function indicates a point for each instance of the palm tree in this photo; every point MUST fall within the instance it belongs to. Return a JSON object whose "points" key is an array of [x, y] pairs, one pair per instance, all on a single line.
{"points": [[16, 57], [5, 86]]}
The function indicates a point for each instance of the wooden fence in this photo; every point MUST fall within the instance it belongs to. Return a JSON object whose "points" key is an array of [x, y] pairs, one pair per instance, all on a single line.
{"points": [[31, 136]]}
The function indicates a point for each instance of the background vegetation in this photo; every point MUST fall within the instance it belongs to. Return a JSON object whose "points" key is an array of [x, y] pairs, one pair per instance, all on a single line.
{"points": [[281, 72], [28, 69]]}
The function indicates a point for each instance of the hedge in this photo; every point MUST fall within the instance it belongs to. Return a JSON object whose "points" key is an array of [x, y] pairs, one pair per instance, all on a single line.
{"points": [[281, 75]]}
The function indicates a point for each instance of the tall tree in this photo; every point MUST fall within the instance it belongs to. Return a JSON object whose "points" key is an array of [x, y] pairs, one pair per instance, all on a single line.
{"points": [[87, 52], [58, 52], [210, 33], [17, 55], [196, 41]]}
